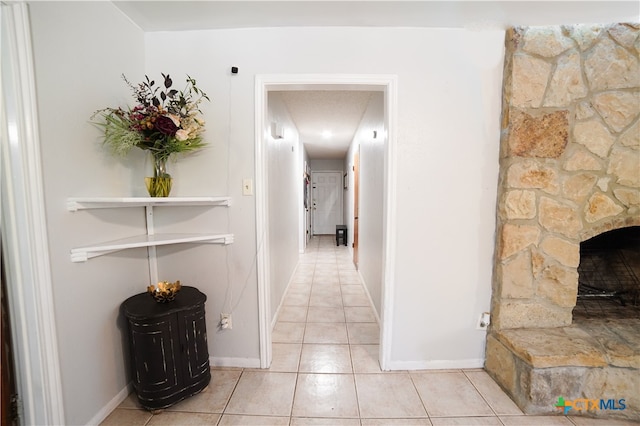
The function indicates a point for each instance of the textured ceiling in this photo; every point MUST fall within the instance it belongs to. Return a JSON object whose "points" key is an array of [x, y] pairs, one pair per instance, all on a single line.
{"points": [[314, 112]]}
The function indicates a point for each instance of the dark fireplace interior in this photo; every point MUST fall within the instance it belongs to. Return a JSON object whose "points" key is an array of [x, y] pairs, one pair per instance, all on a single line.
{"points": [[609, 276]]}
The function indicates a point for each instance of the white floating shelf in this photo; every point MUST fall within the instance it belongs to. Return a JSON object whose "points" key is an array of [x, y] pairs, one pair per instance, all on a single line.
{"points": [[82, 254], [75, 204]]}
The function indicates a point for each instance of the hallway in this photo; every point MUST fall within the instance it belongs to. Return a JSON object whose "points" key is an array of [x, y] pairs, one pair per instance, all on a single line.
{"points": [[325, 370]]}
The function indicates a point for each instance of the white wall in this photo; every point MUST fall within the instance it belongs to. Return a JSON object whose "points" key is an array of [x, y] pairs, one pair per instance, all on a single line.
{"points": [[319, 165], [371, 196], [449, 83], [80, 51], [285, 179]]}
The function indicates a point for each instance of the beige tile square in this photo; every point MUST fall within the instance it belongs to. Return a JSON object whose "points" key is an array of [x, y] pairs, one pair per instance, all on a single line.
{"points": [[359, 314], [449, 395], [168, 418], [365, 358], [363, 333], [349, 277], [325, 395], [285, 357], [287, 332], [355, 300], [466, 421], [296, 299], [325, 314], [311, 421], [236, 420], [492, 393], [326, 301], [325, 359], [127, 417], [131, 401], [388, 396], [263, 394], [292, 314], [395, 422], [354, 290], [335, 333], [328, 290], [535, 421], [214, 398]]}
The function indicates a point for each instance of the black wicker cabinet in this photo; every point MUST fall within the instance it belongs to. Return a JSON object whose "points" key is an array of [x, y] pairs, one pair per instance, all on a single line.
{"points": [[168, 345]]}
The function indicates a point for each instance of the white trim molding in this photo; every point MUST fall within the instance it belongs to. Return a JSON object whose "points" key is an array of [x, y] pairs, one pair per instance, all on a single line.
{"points": [[385, 83], [24, 231]]}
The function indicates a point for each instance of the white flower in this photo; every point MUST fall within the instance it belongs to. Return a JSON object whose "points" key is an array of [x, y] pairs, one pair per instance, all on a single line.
{"points": [[182, 135], [175, 119]]}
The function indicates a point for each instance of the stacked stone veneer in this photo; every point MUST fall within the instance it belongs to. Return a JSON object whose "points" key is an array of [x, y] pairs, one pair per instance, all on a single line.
{"points": [[570, 163], [569, 170]]}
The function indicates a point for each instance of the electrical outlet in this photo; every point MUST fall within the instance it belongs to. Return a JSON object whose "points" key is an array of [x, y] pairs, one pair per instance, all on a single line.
{"points": [[484, 321], [225, 321]]}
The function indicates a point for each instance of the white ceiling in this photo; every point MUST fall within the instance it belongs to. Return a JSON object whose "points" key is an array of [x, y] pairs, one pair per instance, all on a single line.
{"points": [[340, 112], [317, 111], [213, 14]]}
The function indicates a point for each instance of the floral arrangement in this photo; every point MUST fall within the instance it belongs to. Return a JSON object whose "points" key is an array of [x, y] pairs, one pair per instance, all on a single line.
{"points": [[164, 121]]}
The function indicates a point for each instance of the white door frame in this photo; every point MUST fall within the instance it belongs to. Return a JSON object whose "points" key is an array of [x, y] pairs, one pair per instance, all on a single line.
{"points": [[265, 83], [24, 229]]}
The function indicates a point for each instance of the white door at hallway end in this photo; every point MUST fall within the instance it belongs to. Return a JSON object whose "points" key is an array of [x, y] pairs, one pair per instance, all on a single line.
{"points": [[327, 201]]}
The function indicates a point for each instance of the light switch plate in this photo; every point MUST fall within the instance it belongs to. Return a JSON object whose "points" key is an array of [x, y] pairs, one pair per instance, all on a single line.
{"points": [[247, 187]]}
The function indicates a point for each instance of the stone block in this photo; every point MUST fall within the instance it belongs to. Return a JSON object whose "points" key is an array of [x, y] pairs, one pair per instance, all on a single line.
{"points": [[600, 206], [546, 41], [595, 136], [520, 204], [618, 109], [580, 160], [628, 197], [566, 84], [624, 164], [558, 285], [631, 137], [530, 174], [517, 280], [565, 252], [515, 238], [584, 34], [610, 66], [578, 187], [500, 364], [542, 136], [529, 314], [528, 81], [559, 218]]}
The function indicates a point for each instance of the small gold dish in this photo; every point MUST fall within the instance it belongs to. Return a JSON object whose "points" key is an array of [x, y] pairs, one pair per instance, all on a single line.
{"points": [[165, 291]]}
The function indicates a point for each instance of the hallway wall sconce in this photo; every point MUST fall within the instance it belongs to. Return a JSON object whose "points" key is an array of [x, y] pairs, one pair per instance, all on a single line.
{"points": [[277, 132], [375, 134]]}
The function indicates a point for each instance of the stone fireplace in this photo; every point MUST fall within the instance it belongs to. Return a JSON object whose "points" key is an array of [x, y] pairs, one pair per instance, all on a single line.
{"points": [[569, 171]]}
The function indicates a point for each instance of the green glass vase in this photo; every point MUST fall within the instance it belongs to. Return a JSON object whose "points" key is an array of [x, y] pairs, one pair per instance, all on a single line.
{"points": [[160, 184]]}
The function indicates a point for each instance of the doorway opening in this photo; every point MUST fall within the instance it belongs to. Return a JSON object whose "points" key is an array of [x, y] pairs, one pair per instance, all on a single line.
{"points": [[265, 84]]}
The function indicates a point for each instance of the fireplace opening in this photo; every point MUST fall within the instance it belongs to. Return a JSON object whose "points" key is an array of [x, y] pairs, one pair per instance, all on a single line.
{"points": [[609, 276]]}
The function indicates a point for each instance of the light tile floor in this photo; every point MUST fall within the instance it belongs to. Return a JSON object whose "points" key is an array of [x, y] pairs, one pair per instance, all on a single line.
{"points": [[325, 370]]}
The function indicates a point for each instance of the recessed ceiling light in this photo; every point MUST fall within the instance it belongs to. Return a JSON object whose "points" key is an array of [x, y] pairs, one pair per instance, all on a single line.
{"points": [[327, 134]]}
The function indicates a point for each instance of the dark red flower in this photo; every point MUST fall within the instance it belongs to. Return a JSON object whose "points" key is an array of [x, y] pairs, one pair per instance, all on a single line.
{"points": [[165, 125]]}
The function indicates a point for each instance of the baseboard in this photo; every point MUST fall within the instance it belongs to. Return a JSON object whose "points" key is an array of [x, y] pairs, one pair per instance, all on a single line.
{"points": [[111, 405], [284, 294], [234, 362], [366, 290], [443, 364]]}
